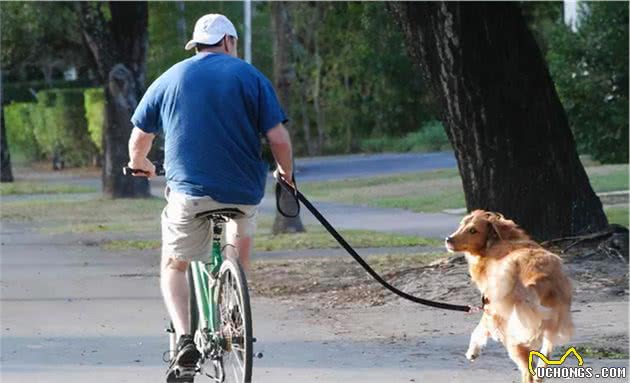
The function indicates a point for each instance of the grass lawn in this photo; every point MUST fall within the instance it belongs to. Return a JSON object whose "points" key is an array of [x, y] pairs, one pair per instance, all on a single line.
{"points": [[618, 215], [59, 216], [143, 216], [28, 187], [432, 191], [607, 178], [427, 191], [313, 238]]}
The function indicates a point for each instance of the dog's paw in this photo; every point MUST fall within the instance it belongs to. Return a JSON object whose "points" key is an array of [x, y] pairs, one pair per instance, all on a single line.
{"points": [[472, 354]]}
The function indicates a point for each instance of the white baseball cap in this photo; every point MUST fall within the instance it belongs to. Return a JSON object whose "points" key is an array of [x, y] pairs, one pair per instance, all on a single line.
{"points": [[210, 29]]}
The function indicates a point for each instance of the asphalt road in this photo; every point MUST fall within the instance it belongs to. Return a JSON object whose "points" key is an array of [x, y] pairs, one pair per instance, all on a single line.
{"points": [[73, 313], [368, 165], [307, 169]]}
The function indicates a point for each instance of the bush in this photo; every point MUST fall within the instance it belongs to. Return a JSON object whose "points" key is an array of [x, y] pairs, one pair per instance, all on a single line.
{"points": [[94, 114], [430, 138], [590, 71], [20, 133], [61, 128]]}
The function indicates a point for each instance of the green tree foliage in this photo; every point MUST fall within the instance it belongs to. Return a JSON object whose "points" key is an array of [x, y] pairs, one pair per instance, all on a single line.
{"points": [[40, 37], [590, 70], [171, 25], [354, 79], [542, 17]]}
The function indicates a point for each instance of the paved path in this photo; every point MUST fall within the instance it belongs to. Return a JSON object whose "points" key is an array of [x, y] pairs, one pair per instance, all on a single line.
{"points": [[368, 165], [76, 314], [432, 225], [428, 225]]}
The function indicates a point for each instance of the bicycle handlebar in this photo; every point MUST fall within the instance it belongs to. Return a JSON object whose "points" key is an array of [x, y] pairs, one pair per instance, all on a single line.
{"points": [[159, 170]]}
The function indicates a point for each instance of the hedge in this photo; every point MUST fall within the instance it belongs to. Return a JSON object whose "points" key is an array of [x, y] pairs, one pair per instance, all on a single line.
{"points": [[64, 129], [94, 114], [55, 124], [18, 120]]}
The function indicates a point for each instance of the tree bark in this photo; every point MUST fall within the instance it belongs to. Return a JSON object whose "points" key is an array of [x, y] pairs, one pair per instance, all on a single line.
{"points": [[284, 75], [514, 149], [119, 49], [317, 103], [181, 21], [6, 175]]}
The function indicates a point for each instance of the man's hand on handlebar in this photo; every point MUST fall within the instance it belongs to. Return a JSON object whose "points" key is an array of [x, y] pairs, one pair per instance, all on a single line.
{"points": [[142, 168]]}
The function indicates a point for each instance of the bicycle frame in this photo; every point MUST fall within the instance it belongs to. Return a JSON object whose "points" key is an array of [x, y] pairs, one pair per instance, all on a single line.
{"points": [[204, 291]]}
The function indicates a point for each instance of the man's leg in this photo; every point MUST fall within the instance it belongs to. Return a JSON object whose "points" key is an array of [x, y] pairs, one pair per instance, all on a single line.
{"points": [[176, 293], [240, 233], [244, 247], [184, 238]]}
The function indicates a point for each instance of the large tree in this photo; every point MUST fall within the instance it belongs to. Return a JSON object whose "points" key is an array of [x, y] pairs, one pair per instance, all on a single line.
{"points": [[6, 175], [119, 47], [590, 69], [283, 76], [514, 149], [31, 41]]}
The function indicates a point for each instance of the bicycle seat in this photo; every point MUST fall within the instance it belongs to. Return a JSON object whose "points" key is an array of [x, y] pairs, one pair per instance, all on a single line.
{"points": [[227, 213]]}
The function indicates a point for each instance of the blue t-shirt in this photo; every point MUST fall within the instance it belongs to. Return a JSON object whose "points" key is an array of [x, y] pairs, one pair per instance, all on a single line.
{"points": [[213, 109]]}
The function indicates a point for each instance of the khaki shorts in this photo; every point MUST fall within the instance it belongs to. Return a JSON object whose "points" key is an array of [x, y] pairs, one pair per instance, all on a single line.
{"points": [[187, 238]]}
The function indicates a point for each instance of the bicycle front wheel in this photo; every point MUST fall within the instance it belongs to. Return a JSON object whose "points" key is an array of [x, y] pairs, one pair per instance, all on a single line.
{"points": [[235, 320]]}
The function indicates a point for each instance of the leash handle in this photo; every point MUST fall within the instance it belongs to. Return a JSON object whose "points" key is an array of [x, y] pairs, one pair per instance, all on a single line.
{"points": [[281, 185], [440, 305]]}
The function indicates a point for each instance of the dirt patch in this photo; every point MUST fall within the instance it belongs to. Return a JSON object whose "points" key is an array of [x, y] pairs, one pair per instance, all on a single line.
{"points": [[332, 281], [340, 282]]}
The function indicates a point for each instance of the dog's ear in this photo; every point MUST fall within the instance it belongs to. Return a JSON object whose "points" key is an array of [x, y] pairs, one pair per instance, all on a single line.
{"points": [[496, 232]]}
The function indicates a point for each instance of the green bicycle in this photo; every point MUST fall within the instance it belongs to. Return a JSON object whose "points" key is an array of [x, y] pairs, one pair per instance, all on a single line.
{"points": [[220, 314]]}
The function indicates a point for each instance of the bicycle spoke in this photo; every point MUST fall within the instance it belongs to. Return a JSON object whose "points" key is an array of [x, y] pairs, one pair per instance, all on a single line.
{"points": [[234, 327], [235, 371]]}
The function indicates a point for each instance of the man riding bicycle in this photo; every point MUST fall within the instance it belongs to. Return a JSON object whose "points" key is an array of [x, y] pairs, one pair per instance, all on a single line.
{"points": [[213, 109]]}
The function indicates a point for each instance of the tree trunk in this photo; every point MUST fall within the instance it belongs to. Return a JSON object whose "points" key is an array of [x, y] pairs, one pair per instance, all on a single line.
{"points": [[181, 21], [119, 49], [317, 87], [514, 149], [121, 101], [283, 74], [306, 122], [6, 175]]}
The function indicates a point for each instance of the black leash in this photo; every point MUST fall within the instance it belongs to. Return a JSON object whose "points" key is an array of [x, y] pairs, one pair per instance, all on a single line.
{"points": [[300, 197]]}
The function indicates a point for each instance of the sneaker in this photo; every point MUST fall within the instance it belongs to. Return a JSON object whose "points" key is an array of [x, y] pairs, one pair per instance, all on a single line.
{"points": [[187, 353]]}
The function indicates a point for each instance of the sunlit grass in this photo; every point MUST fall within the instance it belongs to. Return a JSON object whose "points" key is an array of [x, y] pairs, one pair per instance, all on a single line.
{"points": [[313, 238], [30, 187], [618, 215], [431, 191]]}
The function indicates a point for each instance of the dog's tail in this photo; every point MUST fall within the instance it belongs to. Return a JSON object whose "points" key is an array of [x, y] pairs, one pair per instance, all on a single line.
{"points": [[563, 331]]}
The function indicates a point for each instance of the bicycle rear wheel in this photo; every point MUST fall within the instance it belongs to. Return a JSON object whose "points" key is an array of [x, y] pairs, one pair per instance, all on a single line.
{"points": [[235, 320]]}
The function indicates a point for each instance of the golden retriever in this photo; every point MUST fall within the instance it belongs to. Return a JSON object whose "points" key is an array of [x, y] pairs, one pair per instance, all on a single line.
{"points": [[526, 294]]}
